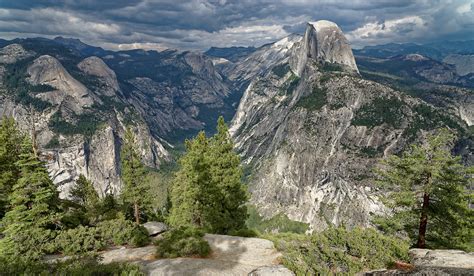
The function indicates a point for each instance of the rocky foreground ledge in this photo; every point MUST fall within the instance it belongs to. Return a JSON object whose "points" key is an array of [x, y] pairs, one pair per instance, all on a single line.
{"points": [[230, 256], [434, 262]]}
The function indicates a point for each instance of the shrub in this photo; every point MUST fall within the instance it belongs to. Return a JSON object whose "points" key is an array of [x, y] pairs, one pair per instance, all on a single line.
{"points": [[139, 236], [182, 242], [30, 243], [337, 250], [79, 240], [248, 233], [120, 231], [82, 266], [85, 239]]}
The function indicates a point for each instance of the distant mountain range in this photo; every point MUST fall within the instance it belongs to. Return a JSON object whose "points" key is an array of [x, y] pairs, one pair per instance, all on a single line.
{"points": [[310, 117]]}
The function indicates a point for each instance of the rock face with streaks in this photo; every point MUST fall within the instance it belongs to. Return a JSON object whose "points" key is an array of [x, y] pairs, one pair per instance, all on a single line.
{"points": [[324, 41], [80, 99], [47, 70], [96, 67], [67, 149], [312, 135]]}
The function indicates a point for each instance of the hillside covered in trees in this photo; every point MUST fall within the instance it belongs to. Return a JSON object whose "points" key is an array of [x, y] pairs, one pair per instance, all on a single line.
{"points": [[207, 195]]}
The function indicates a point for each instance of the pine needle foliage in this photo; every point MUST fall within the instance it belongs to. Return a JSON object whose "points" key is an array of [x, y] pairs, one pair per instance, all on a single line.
{"points": [[430, 195], [9, 154], [135, 186], [207, 191], [33, 218]]}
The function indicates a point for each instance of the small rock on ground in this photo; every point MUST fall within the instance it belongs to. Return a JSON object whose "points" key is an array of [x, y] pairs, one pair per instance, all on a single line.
{"points": [[155, 228]]}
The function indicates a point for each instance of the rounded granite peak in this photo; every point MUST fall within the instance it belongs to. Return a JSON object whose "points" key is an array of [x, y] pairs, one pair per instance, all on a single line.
{"points": [[323, 24], [95, 66], [325, 41]]}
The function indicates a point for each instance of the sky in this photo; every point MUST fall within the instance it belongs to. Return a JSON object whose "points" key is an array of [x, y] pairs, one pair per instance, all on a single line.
{"points": [[199, 24]]}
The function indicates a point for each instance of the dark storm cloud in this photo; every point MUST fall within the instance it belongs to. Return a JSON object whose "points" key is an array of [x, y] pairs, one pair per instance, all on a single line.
{"points": [[198, 24], [71, 4]]}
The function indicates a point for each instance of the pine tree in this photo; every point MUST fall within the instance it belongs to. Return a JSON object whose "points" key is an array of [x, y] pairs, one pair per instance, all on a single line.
{"points": [[207, 191], [84, 193], [33, 217], [194, 198], [226, 174], [135, 186], [10, 147], [431, 198]]}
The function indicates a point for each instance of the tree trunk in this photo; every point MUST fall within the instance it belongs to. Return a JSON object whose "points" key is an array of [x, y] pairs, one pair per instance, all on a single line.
{"points": [[137, 213], [423, 221]]}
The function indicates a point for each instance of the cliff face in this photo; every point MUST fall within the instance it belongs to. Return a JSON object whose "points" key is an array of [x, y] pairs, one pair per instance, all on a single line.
{"points": [[324, 41], [46, 70], [177, 93], [312, 132], [310, 126], [67, 149], [96, 67]]}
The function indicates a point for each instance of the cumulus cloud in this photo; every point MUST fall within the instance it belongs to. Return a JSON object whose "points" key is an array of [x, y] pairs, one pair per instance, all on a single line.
{"points": [[388, 30], [199, 24]]}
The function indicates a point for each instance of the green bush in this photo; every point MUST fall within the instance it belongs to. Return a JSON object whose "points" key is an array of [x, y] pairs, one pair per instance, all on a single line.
{"points": [[182, 242], [248, 233], [337, 251], [29, 243], [120, 231], [139, 236], [82, 266], [84, 239], [80, 240]]}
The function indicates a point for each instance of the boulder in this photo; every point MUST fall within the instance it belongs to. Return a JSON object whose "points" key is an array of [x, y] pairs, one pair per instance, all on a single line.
{"points": [[274, 270], [155, 228], [442, 258]]}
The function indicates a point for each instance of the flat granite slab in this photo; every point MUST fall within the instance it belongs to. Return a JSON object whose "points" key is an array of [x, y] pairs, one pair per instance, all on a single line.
{"points": [[230, 256]]}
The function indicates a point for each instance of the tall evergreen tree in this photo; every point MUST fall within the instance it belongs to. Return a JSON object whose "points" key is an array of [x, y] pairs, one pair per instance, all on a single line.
{"points": [[84, 193], [194, 198], [431, 198], [33, 216], [226, 174], [135, 186], [10, 147], [207, 191]]}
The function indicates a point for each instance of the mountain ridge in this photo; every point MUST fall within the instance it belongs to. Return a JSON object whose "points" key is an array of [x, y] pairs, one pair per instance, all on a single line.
{"points": [[309, 118]]}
